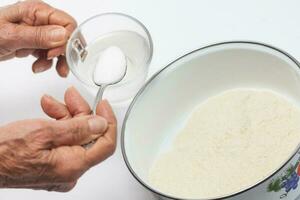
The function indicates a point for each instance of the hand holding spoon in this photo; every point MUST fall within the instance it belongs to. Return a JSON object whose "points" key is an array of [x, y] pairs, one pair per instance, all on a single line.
{"points": [[111, 68]]}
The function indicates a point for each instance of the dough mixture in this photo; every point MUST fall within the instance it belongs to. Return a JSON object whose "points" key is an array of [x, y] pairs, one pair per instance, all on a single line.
{"points": [[230, 142]]}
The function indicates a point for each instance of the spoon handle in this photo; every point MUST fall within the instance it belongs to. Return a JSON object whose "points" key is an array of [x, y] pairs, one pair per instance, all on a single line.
{"points": [[97, 100], [98, 97]]}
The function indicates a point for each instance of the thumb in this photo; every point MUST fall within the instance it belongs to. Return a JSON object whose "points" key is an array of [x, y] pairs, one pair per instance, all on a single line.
{"points": [[40, 37], [77, 130]]}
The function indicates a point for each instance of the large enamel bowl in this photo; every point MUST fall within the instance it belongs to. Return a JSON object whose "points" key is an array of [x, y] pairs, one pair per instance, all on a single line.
{"points": [[163, 105]]}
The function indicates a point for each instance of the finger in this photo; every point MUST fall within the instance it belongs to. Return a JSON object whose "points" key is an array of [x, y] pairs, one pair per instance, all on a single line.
{"points": [[36, 13], [105, 145], [57, 187], [76, 103], [39, 37], [24, 53], [62, 66], [54, 187], [7, 57], [54, 108], [62, 187], [74, 131], [21, 11], [36, 53], [61, 18], [56, 52], [41, 65]]}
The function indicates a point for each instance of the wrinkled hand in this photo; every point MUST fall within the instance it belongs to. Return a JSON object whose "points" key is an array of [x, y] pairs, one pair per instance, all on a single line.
{"points": [[47, 154], [33, 27]]}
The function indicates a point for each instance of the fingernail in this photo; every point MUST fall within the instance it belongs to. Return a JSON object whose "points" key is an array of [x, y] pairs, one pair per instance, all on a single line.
{"points": [[97, 124], [39, 69], [50, 58], [105, 103], [65, 74], [72, 88], [107, 106], [47, 96], [58, 34]]}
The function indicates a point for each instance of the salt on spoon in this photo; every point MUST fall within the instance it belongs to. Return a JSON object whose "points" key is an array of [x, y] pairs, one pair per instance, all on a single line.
{"points": [[111, 68]]}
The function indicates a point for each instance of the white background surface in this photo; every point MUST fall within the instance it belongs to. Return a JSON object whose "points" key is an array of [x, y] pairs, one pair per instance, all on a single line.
{"points": [[177, 27]]}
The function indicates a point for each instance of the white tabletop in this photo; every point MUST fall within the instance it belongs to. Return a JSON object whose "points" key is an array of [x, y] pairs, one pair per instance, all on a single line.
{"points": [[177, 27]]}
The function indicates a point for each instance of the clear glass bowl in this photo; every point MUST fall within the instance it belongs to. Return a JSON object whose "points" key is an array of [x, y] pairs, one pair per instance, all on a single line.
{"points": [[100, 32]]}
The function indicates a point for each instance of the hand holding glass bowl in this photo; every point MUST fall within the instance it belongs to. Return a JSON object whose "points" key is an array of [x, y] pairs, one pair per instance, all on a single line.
{"points": [[47, 154]]}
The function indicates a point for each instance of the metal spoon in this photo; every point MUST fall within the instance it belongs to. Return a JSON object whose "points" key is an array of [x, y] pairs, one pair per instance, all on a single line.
{"points": [[111, 69]]}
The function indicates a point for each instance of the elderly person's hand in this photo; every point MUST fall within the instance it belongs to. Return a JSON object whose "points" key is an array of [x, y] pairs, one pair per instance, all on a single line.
{"points": [[33, 27], [47, 154]]}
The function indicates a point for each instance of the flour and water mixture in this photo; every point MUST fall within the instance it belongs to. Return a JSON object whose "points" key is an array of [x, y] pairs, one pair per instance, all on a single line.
{"points": [[230, 142]]}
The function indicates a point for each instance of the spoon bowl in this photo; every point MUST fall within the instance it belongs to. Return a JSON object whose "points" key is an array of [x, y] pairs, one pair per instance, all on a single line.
{"points": [[110, 69]]}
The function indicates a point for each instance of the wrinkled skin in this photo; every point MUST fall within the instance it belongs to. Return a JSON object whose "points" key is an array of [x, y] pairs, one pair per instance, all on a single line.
{"points": [[47, 154], [35, 28]]}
